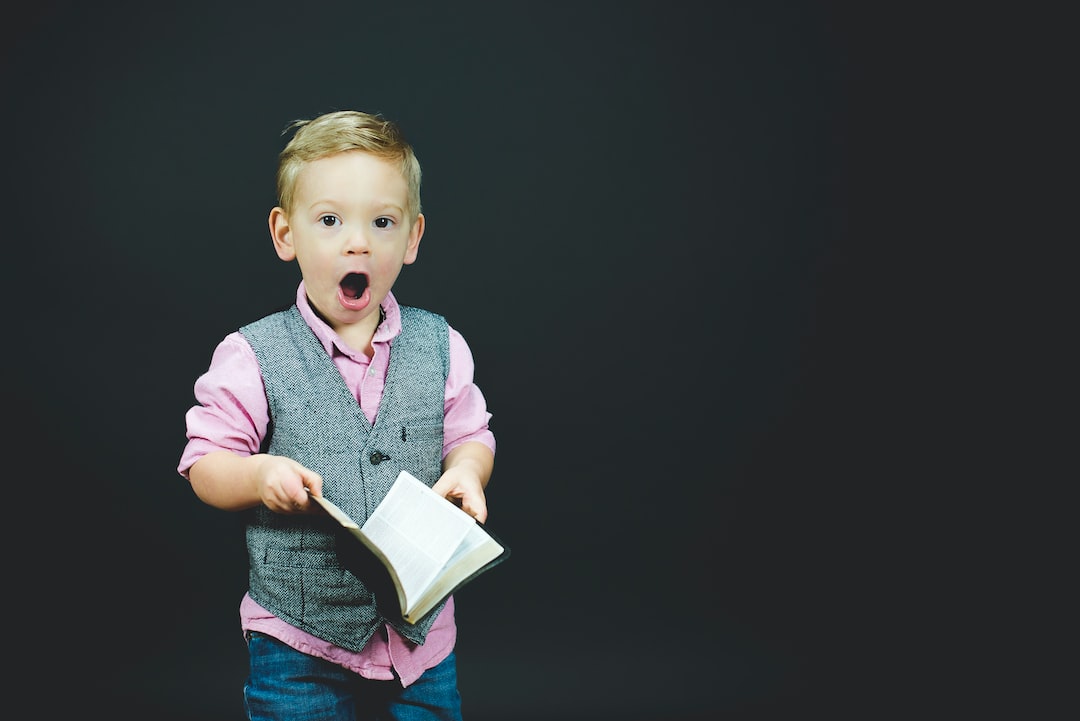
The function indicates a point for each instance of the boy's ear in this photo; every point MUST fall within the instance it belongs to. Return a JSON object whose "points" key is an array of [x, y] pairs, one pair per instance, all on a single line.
{"points": [[415, 235], [279, 231]]}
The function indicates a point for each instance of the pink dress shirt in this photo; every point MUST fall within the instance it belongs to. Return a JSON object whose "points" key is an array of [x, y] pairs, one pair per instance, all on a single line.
{"points": [[232, 414]]}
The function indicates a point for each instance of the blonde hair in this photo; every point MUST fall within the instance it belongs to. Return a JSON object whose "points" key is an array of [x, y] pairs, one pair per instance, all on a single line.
{"points": [[340, 132]]}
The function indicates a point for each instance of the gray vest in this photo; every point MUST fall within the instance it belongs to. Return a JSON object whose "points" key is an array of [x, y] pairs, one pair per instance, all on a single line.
{"points": [[295, 568]]}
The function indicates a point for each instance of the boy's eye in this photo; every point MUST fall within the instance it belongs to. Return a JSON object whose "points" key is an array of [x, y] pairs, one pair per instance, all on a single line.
{"points": [[383, 222], [329, 221]]}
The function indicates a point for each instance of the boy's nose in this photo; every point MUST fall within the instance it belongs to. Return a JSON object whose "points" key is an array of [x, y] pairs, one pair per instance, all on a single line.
{"points": [[356, 243]]}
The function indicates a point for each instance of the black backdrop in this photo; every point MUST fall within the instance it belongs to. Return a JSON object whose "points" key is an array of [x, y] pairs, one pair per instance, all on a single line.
{"points": [[639, 215]]}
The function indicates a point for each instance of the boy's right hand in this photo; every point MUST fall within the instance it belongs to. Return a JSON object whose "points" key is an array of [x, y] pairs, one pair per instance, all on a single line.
{"points": [[283, 484]]}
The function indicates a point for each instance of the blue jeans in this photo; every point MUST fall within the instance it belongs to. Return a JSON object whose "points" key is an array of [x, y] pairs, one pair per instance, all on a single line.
{"points": [[285, 684]]}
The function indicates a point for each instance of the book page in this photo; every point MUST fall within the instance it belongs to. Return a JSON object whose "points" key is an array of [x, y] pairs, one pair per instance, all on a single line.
{"points": [[417, 531]]}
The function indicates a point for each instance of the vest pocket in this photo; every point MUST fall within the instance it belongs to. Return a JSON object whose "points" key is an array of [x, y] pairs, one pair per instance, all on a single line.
{"points": [[308, 585], [420, 451]]}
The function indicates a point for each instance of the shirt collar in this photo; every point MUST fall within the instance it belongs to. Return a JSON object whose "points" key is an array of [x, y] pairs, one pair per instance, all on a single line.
{"points": [[387, 330]]}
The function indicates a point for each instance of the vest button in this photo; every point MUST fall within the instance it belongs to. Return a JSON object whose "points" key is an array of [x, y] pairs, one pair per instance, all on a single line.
{"points": [[378, 457]]}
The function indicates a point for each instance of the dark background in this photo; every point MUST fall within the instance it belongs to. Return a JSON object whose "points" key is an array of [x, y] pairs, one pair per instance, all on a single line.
{"points": [[650, 222]]}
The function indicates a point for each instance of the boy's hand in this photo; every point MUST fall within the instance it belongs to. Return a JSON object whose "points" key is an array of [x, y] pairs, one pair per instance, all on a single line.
{"points": [[283, 484], [461, 486]]}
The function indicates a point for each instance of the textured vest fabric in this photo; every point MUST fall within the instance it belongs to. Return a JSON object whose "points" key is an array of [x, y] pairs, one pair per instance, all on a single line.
{"points": [[295, 569]]}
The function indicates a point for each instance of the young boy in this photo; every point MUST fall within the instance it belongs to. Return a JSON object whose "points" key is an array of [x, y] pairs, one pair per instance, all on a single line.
{"points": [[334, 396]]}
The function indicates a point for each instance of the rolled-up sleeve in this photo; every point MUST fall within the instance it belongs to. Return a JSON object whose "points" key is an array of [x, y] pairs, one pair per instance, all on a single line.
{"points": [[231, 412], [465, 412]]}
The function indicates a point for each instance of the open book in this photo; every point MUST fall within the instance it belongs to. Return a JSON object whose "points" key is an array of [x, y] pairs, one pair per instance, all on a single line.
{"points": [[429, 546]]}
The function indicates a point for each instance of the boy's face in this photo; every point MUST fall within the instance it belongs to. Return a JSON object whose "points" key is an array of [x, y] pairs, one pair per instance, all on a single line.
{"points": [[350, 234]]}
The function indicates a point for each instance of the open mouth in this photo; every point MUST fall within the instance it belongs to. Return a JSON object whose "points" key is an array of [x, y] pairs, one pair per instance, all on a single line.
{"points": [[353, 285]]}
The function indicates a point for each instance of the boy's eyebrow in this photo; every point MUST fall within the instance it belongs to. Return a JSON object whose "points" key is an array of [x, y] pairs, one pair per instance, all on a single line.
{"points": [[376, 204], [390, 205]]}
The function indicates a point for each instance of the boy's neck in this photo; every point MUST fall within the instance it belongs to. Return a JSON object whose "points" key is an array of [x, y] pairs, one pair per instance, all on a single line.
{"points": [[358, 335]]}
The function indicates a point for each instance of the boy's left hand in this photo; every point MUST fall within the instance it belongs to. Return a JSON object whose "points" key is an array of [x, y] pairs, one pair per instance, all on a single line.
{"points": [[461, 486]]}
